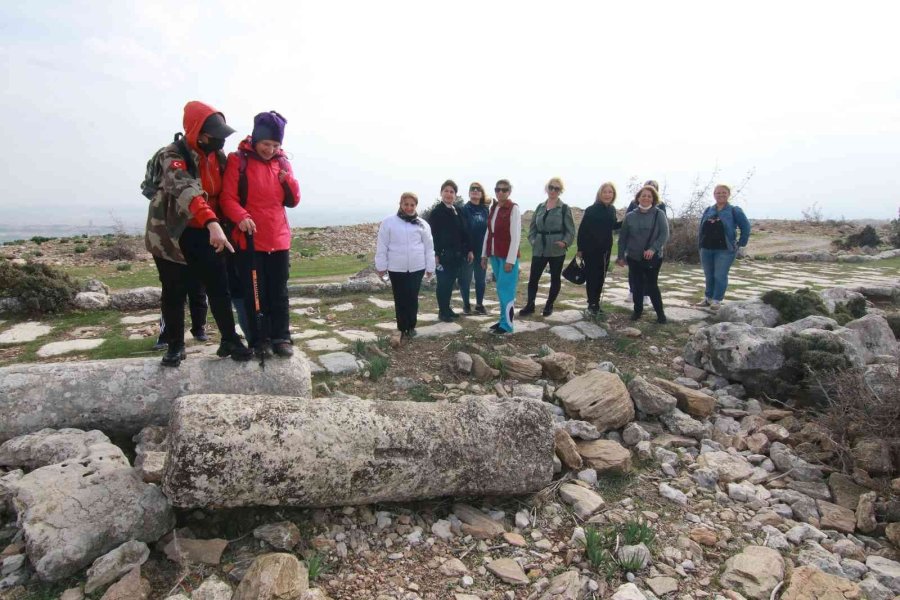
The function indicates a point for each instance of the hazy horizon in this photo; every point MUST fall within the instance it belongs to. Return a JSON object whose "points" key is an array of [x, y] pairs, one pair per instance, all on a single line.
{"points": [[386, 98]]}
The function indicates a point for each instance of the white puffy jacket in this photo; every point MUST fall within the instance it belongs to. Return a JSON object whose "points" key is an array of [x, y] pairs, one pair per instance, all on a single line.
{"points": [[404, 247]]}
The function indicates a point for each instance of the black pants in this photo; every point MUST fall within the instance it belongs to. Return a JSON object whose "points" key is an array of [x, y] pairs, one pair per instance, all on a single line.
{"points": [[207, 267], [447, 276], [643, 282], [595, 267], [198, 308], [538, 264], [406, 297], [272, 269]]}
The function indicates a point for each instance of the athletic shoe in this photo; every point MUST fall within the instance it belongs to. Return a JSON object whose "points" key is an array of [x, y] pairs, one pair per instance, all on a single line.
{"points": [[480, 309], [715, 304], [548, 310], [467, 310], [526, 310], [704, 302], [635, 316], [445, 318], [661, 319], [173, 357], [454, 315], [283, 349], [499, 331], [235, 349], [411, 333], [161, 345], [201, 335], [494, 326]]}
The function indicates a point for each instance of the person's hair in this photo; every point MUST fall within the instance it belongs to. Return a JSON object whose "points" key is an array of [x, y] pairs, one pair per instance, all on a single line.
{"points": [[652, 183], [406, 195], [608, 184], [503, 182], [722, 185], [557, 181], [450, 183], [653, 193], [480, 187]]}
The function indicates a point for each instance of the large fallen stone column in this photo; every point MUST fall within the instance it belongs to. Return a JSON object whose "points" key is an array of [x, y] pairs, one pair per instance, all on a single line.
{"points": [[227, 451], [124, 395]]}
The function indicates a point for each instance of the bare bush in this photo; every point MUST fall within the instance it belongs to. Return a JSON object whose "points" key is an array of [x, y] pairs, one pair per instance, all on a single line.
{"points": [[812, 214], [117, 246], [858, 405]]}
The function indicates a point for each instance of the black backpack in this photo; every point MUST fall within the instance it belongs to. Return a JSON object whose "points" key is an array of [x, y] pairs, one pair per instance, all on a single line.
{"points": [[153, 174]]}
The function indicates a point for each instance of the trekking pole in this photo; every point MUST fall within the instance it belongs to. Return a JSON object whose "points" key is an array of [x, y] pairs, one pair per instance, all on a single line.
{"points": [[258, 317]]}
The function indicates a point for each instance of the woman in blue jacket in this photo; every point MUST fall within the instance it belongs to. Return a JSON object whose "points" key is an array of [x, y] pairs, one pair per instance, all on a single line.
{"points": [[475, 212], [719, 243]]}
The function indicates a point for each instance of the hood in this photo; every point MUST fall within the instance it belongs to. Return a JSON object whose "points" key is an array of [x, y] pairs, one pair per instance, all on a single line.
{"points": [[195, 114], [246, 145]]}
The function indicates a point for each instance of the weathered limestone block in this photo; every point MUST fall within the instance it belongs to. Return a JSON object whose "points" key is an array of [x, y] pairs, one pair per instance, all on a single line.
{"points": [[51, 446], [598, 397], [124, 395], [231, 450]]}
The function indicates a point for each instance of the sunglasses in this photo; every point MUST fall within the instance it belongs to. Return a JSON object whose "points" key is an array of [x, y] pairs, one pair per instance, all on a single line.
{"points": [[476, 189], [501, 190], [554, 188]]}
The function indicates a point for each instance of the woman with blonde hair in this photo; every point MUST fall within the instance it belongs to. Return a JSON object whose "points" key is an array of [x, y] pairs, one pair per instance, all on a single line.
{"points": [[405, 251], [719, 243], [595, 238], [551, 232], [644, 234]]}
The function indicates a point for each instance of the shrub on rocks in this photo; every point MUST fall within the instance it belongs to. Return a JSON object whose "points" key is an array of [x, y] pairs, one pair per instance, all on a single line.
{"points": [[39, 288], [795, 306]]}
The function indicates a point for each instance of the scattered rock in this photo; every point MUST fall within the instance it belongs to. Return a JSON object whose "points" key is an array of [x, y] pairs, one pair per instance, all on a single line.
{"points": [[729, 467], [192, 552], [565, 586], [214, 588], [130, 587], [754, 572], [864, 519], [275, 576], [605, 455], [51, 446], [114, 564], [693, 402], [809, 583], [566, 449], [521, 368], [598, 397], [662, 585], [886, 571], [648, 398], [584, 502], [282, 535], [832, 516], [507, 570]]}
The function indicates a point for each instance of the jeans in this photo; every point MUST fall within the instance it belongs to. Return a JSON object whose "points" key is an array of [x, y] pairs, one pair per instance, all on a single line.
{"points": [[272, 270], [447, 274], [644, 282], [716, 264], [538, 264], [466, 273], [406, 297], [506, 290]]}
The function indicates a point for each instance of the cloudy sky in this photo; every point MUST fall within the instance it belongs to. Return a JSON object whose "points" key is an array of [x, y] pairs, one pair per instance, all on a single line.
{"points": [[383, 97]]}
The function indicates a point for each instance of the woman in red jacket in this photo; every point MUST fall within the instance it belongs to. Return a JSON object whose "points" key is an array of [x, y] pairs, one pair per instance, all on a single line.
{"points": [[259, 184]]}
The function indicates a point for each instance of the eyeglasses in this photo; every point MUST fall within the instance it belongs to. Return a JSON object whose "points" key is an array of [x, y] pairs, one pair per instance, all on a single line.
{"points": [[554, 188], [502, 190]]}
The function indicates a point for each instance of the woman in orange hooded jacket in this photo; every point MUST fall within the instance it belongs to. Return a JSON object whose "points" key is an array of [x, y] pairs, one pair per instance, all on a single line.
{"points": [[258, 184]]}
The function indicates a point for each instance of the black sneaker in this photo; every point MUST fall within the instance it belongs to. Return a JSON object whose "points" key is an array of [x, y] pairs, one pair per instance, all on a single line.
{"points": [[200, 335], [661, 319], [161, 345], [526, 310], [467, 310], [411, 333], [283, 349], [499, 331], [480, 309], [173, 357], [235, 349], [445, 318], [453, 315], [548, 310], [262, 350], [494, 326], [635, 316]]}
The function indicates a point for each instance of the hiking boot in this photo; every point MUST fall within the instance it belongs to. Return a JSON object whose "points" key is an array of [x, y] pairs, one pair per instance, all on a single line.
{"points": [[235, 349], [548, 310], [262, 350], [445, 318], [200, 335], [480, 309], [283, 349], [661, 319], [453, 315], [526, 310], [635, 316], [173, 356], [411, 333], [467, 310]]}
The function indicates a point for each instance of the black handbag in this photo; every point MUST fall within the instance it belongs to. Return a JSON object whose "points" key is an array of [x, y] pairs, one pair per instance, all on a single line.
{"points": [[574, 272]]}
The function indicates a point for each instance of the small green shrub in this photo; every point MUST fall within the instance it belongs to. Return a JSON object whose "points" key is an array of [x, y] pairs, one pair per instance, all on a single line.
{"points": [[636, 531], [79, 249], [40, 288], [894, 234], [867, 236], [377, 366], [420, 393], [794, 306], [316, 566], [852, 310], [39, 239], [123, 267]]}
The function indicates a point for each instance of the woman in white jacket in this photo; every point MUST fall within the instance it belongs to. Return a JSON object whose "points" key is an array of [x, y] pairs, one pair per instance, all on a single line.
{"points": [[406, 252]]}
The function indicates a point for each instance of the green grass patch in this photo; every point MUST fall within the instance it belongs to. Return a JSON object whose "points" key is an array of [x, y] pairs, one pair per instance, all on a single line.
{"points": [[378, 365], [139, 275], [420, 393], [327, 266]]}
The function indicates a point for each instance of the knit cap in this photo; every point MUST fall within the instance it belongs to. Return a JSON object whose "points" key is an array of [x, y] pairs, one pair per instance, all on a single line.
{"points": [[268, 126]]}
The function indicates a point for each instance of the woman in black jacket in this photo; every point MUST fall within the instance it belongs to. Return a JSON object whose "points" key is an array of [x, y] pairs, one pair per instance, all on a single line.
{"points": [[452, 248], [595, 242]]}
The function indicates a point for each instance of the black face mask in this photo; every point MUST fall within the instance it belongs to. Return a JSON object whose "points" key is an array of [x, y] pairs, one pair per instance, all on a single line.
{"points": [[211, 145]]}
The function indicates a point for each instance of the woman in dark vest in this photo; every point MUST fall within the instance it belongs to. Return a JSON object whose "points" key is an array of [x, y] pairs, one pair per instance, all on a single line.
{"points": [[451, 247], [595, 242], [551, 233], [501, 247]]}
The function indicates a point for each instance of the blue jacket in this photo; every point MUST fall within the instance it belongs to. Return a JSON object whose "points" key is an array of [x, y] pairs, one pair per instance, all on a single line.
{"points": [[733, 218], [476, 216]]}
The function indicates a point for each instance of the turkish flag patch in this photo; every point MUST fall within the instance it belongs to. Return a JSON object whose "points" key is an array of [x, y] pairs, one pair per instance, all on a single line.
{"points": [[178, 164]]}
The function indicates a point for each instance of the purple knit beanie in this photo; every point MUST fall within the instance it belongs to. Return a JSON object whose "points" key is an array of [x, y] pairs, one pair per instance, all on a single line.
{"points": [[268, 126]]}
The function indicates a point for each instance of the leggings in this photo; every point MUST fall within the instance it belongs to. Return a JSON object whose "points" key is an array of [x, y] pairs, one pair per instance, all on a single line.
{"points": [[538, 264]]}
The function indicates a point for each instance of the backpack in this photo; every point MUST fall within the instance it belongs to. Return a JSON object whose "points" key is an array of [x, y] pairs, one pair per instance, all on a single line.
{"points": [[227, 225], [153, 174]]}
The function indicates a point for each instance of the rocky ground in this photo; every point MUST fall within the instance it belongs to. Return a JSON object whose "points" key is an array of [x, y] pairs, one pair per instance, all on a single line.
{"points": [[678, 473]]}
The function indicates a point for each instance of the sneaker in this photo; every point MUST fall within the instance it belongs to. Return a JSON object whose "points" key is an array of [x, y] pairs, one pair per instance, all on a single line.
{"points": [[467, 310], [161, 345], [453, 315], [704, 302], [635, 316], [445, 318], [480, 309], [411, 333], [494, 326], [715, 304], [593, 309], [262, 350], [200, 335], [548, 310], [499, 331], [283, 349], [526, 310], [235, 349], [173, 357], [661, 319]]}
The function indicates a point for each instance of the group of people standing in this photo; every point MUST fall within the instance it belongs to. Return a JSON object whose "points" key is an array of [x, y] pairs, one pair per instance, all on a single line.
{"points": [[217, 227], [457, 241]]}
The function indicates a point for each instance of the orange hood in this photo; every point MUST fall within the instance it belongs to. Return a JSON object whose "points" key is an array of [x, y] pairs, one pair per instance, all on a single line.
{"points": [[195, 114]]}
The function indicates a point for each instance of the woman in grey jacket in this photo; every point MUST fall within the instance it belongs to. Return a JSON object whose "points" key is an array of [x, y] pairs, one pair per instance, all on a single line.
{"points": [[642, 239], [551, 233]]}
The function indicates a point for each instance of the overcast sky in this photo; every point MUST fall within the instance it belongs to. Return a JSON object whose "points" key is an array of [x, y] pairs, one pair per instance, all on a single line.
{"points": [[383, 97]]}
